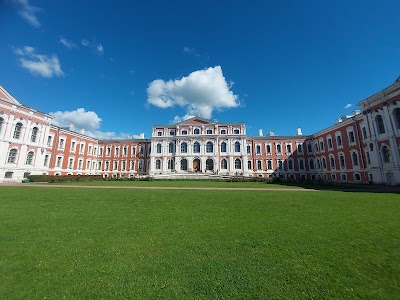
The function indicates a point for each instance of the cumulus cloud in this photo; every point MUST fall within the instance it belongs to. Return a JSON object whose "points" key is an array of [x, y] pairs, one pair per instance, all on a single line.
{"points": [[39, 64], [67, 43], [348, 105], [89, 121], [200, 93], [80, 118], [110, 135], [178, 119], [28, 12]]}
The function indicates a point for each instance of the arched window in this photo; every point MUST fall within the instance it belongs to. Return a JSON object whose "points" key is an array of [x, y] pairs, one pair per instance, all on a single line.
{"points": [[35, 131], [17, 131], [209, 147], [171, 148], [184, 147], [342, 161], [171, 164], [237, 147], [386, 154], [196, 147], [12, 156], [209, 164], [354, 158], [184, 164], [29, 158], [311, 164], [238, 164], [224, 164], [301, 164], [396, 116], [196, 131], [158, 164], [379, 124], [223, 147], [324, 163], [1, 123], [332, 161], [290, 164]]}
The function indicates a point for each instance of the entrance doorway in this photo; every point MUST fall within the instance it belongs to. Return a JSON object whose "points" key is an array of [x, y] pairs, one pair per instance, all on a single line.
{"points": [[196, 165]]}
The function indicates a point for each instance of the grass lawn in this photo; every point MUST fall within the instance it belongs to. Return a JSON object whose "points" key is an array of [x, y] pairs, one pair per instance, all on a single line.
{"points": [[182, 244], [179, 183]]}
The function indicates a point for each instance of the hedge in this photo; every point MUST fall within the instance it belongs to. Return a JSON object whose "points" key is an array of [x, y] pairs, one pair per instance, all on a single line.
{"points": [[67, 178]]}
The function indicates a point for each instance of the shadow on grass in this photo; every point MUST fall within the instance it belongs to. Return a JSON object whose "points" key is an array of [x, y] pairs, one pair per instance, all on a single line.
{"points": [[340, 187]]}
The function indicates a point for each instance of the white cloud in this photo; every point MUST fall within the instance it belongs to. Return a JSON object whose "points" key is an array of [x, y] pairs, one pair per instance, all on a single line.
{"points": [[80, 118], [67, 43], [39, 64], [85, 43], [100, 49], [348, 105], [200, 93], [28, 12], [110, 135], [87, 120], [178, 119]]}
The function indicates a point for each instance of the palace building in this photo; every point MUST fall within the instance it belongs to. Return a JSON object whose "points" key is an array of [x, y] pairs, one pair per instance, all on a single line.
{"points": [[361, 148]]}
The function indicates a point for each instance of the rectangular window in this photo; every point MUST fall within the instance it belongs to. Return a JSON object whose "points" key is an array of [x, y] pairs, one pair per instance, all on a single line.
{"points": [[59, 161], [248, 148], [268, 149], [8, 175], [339, 140], [351, 137], [269, 164], [49, 140], [82, 148], [249, 164], [71, 163], [223, 131], [259, 166], [330, 146], [62, 143], [300, 148], [80, 164], [364, 132], [46, 160]]}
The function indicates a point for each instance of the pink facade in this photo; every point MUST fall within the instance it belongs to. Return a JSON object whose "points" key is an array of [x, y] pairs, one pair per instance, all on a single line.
{"points": [[360, 148]]}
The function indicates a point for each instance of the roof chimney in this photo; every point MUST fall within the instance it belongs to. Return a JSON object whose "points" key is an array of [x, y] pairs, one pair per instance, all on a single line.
{"points": [[299, 131], [260, 132]]}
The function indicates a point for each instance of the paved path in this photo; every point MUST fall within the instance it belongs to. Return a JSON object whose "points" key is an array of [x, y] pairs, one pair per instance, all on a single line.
{"points": [[52, 185]]}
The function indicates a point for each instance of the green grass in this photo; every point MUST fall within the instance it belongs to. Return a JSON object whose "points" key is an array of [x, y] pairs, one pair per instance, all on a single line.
{"points": [[178, 183], [180, 244]]}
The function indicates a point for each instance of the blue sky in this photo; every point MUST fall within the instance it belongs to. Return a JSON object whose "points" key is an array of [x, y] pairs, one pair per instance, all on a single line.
{"points": [[117, 68]]}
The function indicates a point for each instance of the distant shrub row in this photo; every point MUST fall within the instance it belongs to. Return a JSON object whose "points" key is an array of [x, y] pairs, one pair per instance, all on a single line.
{"points": [[67, 178]]}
